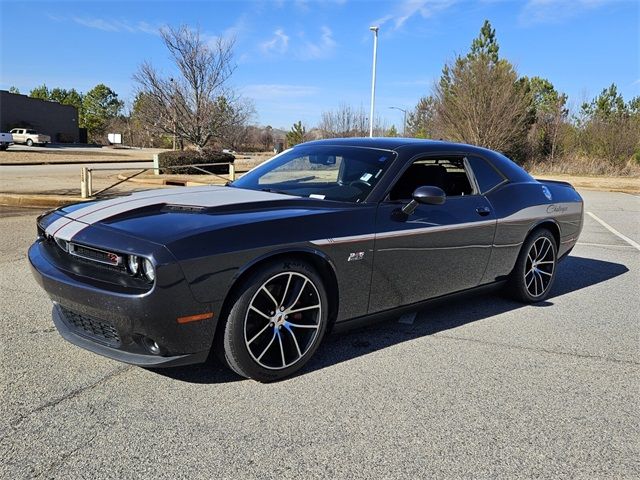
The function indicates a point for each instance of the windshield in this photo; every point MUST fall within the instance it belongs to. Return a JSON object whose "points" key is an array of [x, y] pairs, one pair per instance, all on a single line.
{"points": [[340, 173]]}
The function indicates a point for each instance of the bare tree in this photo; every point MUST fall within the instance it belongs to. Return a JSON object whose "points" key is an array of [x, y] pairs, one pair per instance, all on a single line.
{"points": [[266, 138], [422, 121], [197, 104], [481, 103], [347, 121]]}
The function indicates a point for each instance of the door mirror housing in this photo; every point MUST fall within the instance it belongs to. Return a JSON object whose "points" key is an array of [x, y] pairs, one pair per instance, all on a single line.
{"points": [[322, 159], [426, 195], [429, 195]]}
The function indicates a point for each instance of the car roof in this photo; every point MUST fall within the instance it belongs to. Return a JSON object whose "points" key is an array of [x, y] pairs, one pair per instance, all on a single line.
{"points": [[513, 171], [395, 143], [387, 143]]}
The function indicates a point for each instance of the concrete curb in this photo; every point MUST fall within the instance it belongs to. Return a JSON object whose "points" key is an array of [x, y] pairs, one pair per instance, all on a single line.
{"points": [[33, 200]]}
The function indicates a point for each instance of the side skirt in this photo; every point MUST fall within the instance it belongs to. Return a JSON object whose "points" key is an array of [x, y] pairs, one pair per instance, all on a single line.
{"points": [[395, 313]]}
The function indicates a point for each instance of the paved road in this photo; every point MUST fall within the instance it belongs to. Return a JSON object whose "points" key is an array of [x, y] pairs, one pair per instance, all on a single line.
{"points": [[482, 388], [63, 179]]}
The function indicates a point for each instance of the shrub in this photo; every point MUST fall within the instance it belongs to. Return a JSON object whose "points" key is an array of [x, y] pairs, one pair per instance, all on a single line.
{"points": [[192, 157]]}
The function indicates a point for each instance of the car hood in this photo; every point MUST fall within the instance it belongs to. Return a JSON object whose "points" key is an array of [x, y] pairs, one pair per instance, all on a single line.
{"points": [[164, 216]]}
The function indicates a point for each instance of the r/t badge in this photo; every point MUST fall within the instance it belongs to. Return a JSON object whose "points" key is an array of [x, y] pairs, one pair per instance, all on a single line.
{"points": [[355, 256]]}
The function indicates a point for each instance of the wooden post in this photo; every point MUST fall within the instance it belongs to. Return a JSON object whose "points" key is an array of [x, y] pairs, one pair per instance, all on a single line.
{"points": [[89, 183], [83, 183], [232, 171], [156, 164]]}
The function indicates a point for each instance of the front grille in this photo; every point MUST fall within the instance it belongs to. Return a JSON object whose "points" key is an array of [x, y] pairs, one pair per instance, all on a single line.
{"points": [[94, 254], [98, 330]]}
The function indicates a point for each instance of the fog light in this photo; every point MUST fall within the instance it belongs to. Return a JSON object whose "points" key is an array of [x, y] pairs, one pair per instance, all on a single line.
{"points": [[133, 264], [151, 345], [147, 269]]}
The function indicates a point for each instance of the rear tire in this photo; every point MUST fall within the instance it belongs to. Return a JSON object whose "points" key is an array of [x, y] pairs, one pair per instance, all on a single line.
{"points": [[29, 142], [535, 270], [277, 321]]}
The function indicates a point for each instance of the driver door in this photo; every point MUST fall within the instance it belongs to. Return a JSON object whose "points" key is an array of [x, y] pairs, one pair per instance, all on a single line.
{"points": [[438, 249]]}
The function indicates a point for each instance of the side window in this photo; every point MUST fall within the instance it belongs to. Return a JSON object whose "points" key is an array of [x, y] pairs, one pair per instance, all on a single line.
{"points": [[486, 176], [448, 173]]}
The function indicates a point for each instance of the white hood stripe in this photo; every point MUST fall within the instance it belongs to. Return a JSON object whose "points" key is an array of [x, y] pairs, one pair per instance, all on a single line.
{"points": [[73, 223], [96, 207]]}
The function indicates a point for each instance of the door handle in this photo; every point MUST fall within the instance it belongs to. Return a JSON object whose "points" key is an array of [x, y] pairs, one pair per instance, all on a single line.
{"points": [[483, 211]]}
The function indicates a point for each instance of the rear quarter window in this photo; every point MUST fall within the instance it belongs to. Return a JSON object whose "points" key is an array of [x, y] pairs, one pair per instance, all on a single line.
{"points": [[486, 175]]}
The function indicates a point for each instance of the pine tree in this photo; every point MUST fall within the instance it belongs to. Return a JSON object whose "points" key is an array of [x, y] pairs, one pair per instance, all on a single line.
{"points": [[297, 134], [100, 105], [485, 44]]}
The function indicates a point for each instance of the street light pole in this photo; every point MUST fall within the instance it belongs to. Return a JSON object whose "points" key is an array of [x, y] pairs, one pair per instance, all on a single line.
{"points": [[404, 120], [373, 78]]}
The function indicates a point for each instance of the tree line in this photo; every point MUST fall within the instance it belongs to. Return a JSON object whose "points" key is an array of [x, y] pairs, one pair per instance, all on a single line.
{"points": [[479, 99]]}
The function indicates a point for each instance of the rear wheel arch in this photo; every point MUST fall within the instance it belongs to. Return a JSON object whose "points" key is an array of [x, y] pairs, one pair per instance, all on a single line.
{"points": [[547, 224]]}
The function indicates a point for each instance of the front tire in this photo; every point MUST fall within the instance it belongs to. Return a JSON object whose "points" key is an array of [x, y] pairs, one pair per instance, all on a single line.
{"points": [[277, 322], [535, 269]]}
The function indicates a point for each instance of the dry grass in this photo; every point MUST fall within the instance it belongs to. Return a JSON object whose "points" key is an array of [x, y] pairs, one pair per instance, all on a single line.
{"points": [[24, 156], [582, 166], [590, 173], [609, 184]]}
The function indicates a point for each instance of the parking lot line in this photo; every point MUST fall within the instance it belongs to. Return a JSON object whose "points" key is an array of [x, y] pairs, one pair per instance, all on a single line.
{"points": [[614, 231], [607, 245]]}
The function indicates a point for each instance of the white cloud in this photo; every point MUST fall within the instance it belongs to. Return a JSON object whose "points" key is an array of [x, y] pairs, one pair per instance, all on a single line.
{"points": [[301, 48], [273, 91], [409, 8], [277, 44], [554, 11], [110, 25], [321, 49], [418, 82]]}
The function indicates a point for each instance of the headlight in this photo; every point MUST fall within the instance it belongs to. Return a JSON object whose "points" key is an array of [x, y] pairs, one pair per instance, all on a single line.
{"points": [[147, 269], [133, 264], [62, 244]]}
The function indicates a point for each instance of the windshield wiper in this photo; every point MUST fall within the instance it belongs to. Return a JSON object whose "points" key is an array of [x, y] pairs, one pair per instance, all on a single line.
{"points": [[273, 190], [294, 180]]}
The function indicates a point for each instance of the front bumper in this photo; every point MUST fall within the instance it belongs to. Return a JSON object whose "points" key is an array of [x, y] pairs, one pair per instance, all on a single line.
{"points": [[140, 359], [84, 309]]}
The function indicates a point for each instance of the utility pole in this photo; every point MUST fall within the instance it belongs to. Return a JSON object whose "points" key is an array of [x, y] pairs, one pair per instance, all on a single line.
{"points": [[404, 120], [373, 79]]}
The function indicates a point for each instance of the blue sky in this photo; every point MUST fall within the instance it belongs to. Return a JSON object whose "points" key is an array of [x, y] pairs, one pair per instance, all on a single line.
{"points": [[298, 58]]}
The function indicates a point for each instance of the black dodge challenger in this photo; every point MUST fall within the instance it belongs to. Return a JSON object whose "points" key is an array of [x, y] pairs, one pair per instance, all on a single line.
{"points": [[327, 233]]}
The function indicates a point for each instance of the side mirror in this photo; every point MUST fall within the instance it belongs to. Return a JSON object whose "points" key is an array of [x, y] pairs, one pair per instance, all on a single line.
{"points": [[322, 159], [427, 195]]}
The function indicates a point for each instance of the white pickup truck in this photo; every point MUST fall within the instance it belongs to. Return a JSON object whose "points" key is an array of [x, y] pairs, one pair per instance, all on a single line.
{"points": [[6, 139], [29, 136]]}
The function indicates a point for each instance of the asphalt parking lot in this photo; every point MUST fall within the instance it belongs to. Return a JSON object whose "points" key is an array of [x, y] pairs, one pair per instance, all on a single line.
{"points": [[481, 388]]}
